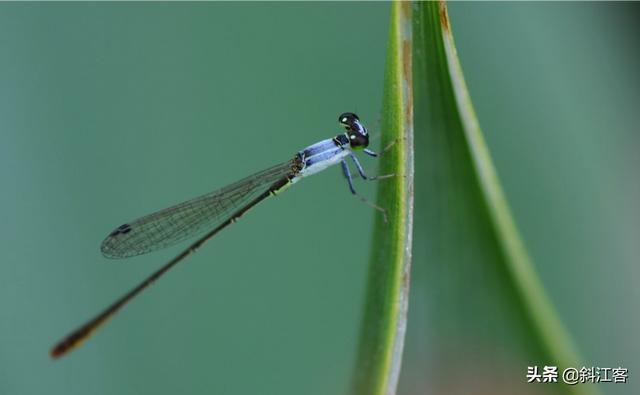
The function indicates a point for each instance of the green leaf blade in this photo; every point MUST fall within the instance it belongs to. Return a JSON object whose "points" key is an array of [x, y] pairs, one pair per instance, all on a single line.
{"points": [[477, 302], [384, 322]]}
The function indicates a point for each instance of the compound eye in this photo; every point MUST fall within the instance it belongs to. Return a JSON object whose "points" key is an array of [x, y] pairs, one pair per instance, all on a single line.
{"points": [[347, 118]]}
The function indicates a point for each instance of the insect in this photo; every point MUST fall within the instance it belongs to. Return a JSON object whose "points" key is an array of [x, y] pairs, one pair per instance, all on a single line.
{"points": [[209, 214]]}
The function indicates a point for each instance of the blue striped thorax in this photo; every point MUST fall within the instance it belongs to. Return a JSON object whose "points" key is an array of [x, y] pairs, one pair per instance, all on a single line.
{"points": [[329, 152]]}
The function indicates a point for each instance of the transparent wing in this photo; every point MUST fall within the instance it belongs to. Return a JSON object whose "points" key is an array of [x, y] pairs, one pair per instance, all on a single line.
{"points": [[185, 220]]}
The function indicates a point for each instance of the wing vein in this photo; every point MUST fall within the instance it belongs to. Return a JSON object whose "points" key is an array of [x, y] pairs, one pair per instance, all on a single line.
{"points": [[188, 219]]}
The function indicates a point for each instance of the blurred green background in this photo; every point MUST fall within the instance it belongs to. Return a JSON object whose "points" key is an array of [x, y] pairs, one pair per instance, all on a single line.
{"points": [[111, 111]]}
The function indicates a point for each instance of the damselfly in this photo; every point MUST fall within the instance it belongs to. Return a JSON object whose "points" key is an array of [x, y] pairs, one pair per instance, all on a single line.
{"points": [[209, 214]]}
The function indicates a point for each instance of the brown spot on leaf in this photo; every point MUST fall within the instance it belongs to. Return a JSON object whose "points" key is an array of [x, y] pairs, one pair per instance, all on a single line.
{"points": [[405, 7], [407, 71], [405, 280], [406, 59], [444, 17]]}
